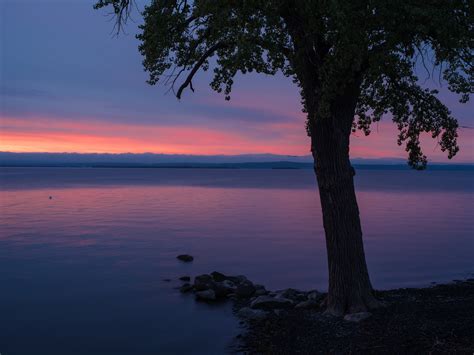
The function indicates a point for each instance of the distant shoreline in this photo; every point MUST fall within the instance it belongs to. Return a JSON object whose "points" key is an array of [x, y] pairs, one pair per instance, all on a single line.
{"points": [[282, 165]]}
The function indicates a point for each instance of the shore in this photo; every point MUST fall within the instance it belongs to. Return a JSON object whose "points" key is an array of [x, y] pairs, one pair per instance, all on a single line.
{"points": [[437, 319]]}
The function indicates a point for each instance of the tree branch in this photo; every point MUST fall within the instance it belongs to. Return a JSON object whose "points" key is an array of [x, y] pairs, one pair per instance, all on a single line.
{"points": [[196, 67]]}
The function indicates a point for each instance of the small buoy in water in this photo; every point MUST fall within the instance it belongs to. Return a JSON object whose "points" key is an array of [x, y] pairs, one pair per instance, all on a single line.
{"points": [[50, 197]]}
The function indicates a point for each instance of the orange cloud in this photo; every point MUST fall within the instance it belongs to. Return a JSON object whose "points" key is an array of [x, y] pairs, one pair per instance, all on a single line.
{"points": [[44, 134], [48, 135]]}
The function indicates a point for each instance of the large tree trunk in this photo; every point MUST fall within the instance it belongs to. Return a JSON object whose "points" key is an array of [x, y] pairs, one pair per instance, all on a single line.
{"points": [[350, 289]]}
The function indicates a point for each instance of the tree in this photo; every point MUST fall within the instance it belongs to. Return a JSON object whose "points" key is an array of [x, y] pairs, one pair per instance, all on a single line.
{"points": [[353, 61]]}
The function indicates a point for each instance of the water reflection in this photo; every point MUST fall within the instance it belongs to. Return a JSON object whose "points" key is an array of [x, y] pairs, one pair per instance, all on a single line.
{"points": [[82, 272]]}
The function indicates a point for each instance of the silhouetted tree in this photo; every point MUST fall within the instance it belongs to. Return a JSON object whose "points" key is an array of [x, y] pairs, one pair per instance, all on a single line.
{"points": [[354, 61]]}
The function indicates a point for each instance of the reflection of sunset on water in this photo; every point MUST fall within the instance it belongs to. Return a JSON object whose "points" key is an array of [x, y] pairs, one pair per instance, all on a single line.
{"points": [[220, 218]]}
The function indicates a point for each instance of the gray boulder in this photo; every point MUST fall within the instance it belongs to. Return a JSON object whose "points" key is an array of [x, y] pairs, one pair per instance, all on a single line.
{"points": [[203, 282], [228, 285], [207, 295], [206, 282], [260, 290], [307, 304], [221, 289], [292, 294], [237, 279], [245, 289], [218, 277], [268, 303], [357, 317], [314, 295]]}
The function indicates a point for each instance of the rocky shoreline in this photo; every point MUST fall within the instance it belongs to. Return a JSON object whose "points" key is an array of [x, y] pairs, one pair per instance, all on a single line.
{"points": [[437, 319], [251, 301], [433, 320]]}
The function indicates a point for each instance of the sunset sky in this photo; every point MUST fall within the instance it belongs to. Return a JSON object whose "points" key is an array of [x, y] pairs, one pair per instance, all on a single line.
{"points": [[68, 85]]}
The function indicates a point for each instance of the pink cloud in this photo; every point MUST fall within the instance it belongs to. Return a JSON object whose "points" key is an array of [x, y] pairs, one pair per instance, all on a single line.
{"points": [[50, 134]]}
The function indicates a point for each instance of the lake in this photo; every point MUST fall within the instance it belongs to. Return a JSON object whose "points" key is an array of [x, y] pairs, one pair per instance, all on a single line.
{"points": [[83, 272]]}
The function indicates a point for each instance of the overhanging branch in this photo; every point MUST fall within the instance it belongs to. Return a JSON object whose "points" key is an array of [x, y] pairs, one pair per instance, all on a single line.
{"points": [[199, 63]]}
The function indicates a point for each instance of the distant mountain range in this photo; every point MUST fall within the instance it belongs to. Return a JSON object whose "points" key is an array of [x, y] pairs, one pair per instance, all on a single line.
{"points": [[249, 161]]}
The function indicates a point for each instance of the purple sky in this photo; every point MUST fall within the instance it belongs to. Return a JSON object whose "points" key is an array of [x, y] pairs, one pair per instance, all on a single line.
{"points": [[68, 85]]}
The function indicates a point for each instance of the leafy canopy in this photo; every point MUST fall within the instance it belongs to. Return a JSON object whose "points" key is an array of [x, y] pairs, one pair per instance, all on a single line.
{"points": [[324, 45]]}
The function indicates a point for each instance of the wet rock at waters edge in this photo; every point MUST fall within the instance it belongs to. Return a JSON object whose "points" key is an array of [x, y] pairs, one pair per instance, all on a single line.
{"points": [[237, 279], [268, 303], [228, 284], [185, 278], [185, 257], [357, 317], [207, 295], [245, 289], [221, 289], [249, 313], [206, 282], [309, 304], [218, 277], [203, 282], [187, 287]]}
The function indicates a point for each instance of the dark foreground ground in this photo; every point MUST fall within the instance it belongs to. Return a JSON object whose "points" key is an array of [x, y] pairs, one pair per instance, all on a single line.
{"points": [[438, 319]]}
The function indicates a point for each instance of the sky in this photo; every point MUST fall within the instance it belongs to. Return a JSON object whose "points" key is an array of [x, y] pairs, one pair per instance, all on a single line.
{"points": [[67, 84]]}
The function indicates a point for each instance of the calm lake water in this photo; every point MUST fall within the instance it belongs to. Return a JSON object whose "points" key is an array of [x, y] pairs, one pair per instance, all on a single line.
{"points": [[82, 273]]}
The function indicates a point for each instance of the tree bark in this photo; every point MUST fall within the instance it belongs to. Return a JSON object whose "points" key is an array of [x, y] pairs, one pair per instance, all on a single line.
{"points": [[350, 289]]}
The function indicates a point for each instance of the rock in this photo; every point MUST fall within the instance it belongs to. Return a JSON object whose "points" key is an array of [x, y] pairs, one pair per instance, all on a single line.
{"points": [[357, 317], [185, 278], [217, 276], [314, 295], [206, 282], [185, 257], [267, 302], [260, 290], [280, 312], [224, 288], [245, 289], [207, 295], [307, 304], [221, 290], [187, 287], [249, 313], [203, 282], [292, 294], [237, 279], [228, 284]]}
